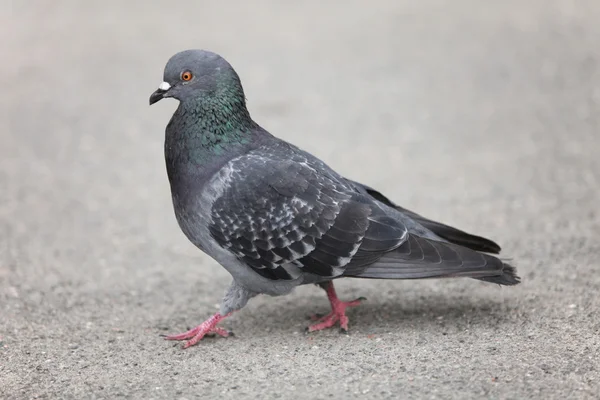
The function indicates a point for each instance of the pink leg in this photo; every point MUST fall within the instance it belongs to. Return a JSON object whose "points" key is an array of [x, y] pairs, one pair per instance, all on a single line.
{"points": [[338, 311], [206, 328]]}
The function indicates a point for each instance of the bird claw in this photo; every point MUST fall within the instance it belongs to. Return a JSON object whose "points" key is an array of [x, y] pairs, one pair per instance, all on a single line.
{"points": [[207, 328], [338, 313], [219, 332]]}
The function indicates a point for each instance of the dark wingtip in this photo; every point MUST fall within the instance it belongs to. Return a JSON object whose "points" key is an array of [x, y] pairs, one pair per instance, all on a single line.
{"points": [[447, 232], [487, 245], [473, 242]]}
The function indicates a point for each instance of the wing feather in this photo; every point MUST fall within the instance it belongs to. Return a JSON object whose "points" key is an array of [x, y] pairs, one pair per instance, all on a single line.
{"points": [[285, 210]]}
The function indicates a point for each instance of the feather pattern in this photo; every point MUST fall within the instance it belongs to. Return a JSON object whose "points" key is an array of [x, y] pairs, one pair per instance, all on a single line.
{"points": [[284, 207]]}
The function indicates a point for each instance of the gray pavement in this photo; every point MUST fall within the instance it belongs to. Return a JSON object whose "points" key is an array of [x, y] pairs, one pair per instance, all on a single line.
{"points": [[481, 114]]}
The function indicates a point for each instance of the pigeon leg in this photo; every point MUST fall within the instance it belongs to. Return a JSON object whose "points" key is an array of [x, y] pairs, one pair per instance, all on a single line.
{"points": [[208, 327], [338, 311]]}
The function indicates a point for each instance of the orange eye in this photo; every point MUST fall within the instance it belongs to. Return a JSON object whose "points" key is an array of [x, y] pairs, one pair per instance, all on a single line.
{"points": [[186, 76]]}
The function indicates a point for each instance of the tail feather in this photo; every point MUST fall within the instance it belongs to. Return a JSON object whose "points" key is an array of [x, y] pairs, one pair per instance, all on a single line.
{"points": [[420, 258], [509, 276]]}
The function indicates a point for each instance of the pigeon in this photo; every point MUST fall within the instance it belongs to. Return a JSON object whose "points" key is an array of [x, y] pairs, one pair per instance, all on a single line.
{"points": [[276, 217]]}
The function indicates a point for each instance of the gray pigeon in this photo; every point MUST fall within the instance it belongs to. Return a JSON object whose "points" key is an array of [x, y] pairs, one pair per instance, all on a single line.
{"points": [[276, 217]]}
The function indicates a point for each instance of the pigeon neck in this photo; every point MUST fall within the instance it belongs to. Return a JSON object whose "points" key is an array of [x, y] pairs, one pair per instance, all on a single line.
{"points": [[219, 120], [207, 132]]}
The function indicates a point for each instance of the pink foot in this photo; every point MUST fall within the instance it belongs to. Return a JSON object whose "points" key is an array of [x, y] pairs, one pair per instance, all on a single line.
{"points": [[338, 312], [208, 327]]}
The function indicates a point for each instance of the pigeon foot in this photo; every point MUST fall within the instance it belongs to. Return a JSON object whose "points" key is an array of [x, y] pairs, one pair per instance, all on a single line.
{"points": [[208, 327], [337, 314]]}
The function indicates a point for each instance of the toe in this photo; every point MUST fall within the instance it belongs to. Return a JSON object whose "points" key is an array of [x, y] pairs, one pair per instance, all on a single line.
{"points": [[326, 322], [182, 336], [221, 332], [344, 323], [198, 337], [356, 302]]}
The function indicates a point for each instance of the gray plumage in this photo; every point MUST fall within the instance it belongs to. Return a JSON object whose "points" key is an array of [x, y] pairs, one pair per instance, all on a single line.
{"points": [[277, 217]]}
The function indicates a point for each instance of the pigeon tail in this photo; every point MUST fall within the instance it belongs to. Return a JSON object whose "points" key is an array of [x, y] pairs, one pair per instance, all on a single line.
{"points": [[420, 258], [509, 276]]}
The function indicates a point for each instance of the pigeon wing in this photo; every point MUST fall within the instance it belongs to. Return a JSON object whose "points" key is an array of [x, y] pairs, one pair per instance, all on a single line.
{"points": [[281, 213]]}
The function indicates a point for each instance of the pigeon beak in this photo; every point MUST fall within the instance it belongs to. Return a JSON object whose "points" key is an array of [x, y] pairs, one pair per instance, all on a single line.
{"points": [[159, 94]]}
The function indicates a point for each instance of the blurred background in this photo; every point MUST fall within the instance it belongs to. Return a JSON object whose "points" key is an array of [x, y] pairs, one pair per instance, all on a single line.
{"points": [[481, 114]]}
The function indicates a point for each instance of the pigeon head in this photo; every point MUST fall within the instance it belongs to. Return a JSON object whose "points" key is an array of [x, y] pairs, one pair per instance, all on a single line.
{"points": [[199, 76]]}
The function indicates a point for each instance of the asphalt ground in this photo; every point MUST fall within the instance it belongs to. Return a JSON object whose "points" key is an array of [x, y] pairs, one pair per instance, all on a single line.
{"points": [[483, 115]]}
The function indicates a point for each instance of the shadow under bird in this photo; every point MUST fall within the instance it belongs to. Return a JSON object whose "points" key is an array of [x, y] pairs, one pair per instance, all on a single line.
{"points": [[277, 217]]}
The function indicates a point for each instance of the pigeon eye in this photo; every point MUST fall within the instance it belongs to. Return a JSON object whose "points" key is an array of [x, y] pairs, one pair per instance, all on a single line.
{"points": [[186, 76]]}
